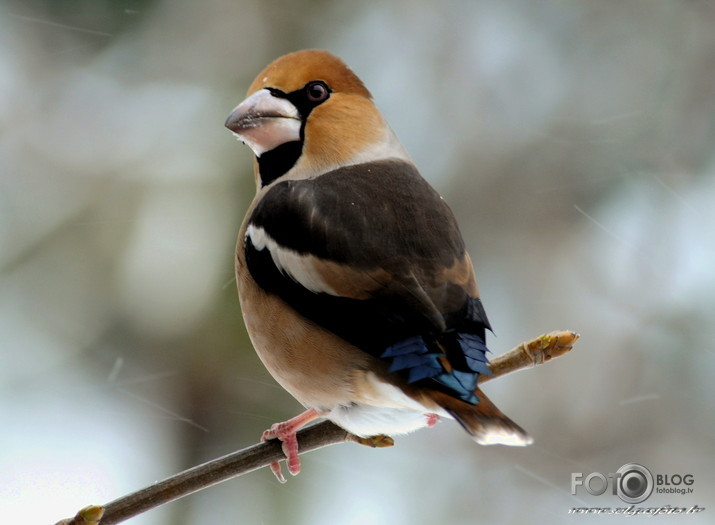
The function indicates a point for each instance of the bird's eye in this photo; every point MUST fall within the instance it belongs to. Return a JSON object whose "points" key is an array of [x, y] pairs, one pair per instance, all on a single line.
{"points": [[317, 91]]}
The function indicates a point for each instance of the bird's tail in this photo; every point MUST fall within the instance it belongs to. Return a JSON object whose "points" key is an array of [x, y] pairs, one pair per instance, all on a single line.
{"points": [[484, 422]]}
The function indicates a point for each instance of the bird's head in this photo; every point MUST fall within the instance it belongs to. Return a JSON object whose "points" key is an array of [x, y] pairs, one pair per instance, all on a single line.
{"points": [[307, 113]]}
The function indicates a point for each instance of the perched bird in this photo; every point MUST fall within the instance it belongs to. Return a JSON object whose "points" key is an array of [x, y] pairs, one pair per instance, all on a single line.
{"points": [[355, 285]]}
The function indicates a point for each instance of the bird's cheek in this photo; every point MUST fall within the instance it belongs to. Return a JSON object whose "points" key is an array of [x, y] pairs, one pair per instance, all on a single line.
{"points": [[268, 133]]}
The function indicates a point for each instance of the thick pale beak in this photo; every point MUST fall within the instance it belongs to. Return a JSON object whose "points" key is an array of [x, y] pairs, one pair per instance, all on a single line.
{"points": [[264, 122]]}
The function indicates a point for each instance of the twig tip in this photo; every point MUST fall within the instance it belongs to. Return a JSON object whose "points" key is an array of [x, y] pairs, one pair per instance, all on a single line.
{"points": [[90, 515]]}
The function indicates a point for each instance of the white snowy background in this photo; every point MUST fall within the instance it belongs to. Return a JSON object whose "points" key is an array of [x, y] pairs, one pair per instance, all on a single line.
{"points": [[575, 141]]}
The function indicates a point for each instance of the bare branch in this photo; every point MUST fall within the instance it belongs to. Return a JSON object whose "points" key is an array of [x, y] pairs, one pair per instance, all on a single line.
{"points": [[531, 353], [528, 354]]}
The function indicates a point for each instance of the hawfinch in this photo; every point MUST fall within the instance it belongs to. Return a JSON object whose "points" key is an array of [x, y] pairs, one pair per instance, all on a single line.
{"points": [[356, 288]]}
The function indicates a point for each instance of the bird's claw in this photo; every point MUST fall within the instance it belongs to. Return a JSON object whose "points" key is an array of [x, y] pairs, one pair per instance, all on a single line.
{"points": [[289, 444], [432, 419], [286, 433]]}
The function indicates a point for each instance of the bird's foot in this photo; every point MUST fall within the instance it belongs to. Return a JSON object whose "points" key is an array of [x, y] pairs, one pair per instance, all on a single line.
{"points": [[286, 433], [432, 419], [378, 441]]}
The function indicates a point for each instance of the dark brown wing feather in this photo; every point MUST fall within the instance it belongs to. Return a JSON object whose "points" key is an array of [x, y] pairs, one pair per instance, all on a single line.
{"points": [[374, 254]]}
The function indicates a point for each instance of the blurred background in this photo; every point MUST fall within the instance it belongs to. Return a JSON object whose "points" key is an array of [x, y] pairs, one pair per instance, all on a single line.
{"points": [[575, 142]]}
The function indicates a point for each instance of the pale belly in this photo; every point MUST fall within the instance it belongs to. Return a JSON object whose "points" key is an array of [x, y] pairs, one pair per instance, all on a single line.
{"points": [[365, 421]]}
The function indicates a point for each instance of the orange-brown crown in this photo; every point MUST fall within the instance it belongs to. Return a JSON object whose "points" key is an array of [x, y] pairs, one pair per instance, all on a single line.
{"points": [[291, 72], [344, 129]]}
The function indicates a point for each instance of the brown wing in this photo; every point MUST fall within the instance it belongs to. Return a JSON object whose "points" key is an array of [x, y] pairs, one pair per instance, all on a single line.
{"points": [[374, 254]]}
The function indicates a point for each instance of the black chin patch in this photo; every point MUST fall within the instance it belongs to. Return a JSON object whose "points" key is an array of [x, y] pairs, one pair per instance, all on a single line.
{"points": [[275, 163]]}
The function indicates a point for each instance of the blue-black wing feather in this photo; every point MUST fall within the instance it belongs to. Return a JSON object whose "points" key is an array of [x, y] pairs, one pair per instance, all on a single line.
{"points": [[414, 233]]}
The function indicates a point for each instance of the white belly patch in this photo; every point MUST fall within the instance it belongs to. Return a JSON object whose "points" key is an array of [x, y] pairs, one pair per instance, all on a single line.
{"points": [[383, 409], [365, 421]]}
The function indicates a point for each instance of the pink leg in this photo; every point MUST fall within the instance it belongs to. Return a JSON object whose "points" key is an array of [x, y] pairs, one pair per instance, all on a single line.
{"points": [[285, 431], [432, 419]]}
